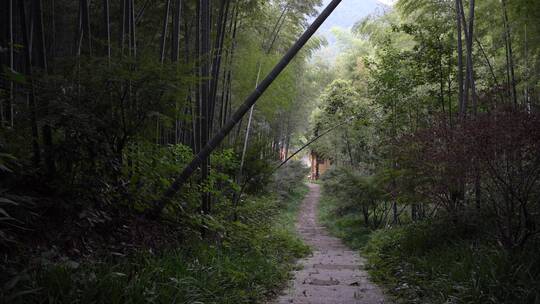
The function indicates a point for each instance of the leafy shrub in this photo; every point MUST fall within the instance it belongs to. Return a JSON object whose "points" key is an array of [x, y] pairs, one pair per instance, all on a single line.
{"points": [[490, 163], [288, 179], [436, 262], [250, 262], [350, 227], [358, 193], [153, 168]]}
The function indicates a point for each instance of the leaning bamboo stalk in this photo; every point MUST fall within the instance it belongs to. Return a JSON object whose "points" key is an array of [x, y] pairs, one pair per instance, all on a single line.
{"points": [[287, 159], [140, 13], [244, 108], [314, 140], [488, 62], [248, 129]]}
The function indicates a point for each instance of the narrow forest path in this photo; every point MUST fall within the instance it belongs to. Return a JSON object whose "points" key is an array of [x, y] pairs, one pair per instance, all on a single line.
{"points": [[334, 273]]}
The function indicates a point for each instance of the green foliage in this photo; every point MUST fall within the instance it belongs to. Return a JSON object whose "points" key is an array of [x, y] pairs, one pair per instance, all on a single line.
{"points": [[152, 169], [472, 239], [340, 102], [345, 185], [250, 262], [438, 262], [288, 179], [350, 227]]}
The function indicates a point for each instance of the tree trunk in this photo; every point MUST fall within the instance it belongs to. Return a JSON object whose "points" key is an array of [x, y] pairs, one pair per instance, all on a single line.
{"points": [[124, 26], [488, 62], [132, 40], [36, 157], [175, 47], [41, 62], [204, 32], [395, 218], [349, 151], [510, 57], [11, 65], [365, 212], [461, 97], [470, 84], [218, 52], [164, 32], [86, 25], [106, 15]]}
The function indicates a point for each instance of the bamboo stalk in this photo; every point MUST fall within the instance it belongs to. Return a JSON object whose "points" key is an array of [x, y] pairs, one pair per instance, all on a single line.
{"points": [[510, 55], [244, 108], [11, 65], [460, 58], [204, 89], [175, 47], [36, 157], [86, 25], [267, 49], [133, 39], [164, 32], [106, 9]]}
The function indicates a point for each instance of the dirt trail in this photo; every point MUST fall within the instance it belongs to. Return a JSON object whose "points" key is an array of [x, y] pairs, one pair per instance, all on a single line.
{"points": [[333, 274]]}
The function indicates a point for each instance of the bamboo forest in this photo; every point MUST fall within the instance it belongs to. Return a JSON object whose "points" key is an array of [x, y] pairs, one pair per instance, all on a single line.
{"points": [[270, 151]]}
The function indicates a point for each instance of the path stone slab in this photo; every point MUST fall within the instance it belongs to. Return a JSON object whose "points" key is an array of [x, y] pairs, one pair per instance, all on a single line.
{"points": [[333, 274]]}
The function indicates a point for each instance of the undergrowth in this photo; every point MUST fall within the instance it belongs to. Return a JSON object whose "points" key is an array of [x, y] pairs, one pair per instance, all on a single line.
{"points": [[349, 227], [247, 263], [433, 262], [436, 261]]}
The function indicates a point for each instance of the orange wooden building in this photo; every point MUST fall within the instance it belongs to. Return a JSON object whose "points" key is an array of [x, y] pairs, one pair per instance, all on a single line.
{"points": [[319, 165]]}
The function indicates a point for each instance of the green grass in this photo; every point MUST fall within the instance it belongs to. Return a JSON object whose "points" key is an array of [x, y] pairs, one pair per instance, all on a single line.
{"points": [[439, 262], [433, 262], [287, 218], [348, 227], [250, 264]]}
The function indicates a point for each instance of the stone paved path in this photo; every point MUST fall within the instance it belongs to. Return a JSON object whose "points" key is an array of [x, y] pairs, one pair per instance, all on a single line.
{"points": [[333, 274]]}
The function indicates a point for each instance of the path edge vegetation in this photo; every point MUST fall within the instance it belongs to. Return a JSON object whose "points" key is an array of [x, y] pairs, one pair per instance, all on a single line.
{"points": [[250, 261], [431, 261]]}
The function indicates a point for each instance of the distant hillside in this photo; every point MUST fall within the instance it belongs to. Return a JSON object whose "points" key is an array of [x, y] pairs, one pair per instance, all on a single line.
{"points": [[345, 16], [351, 11]]}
